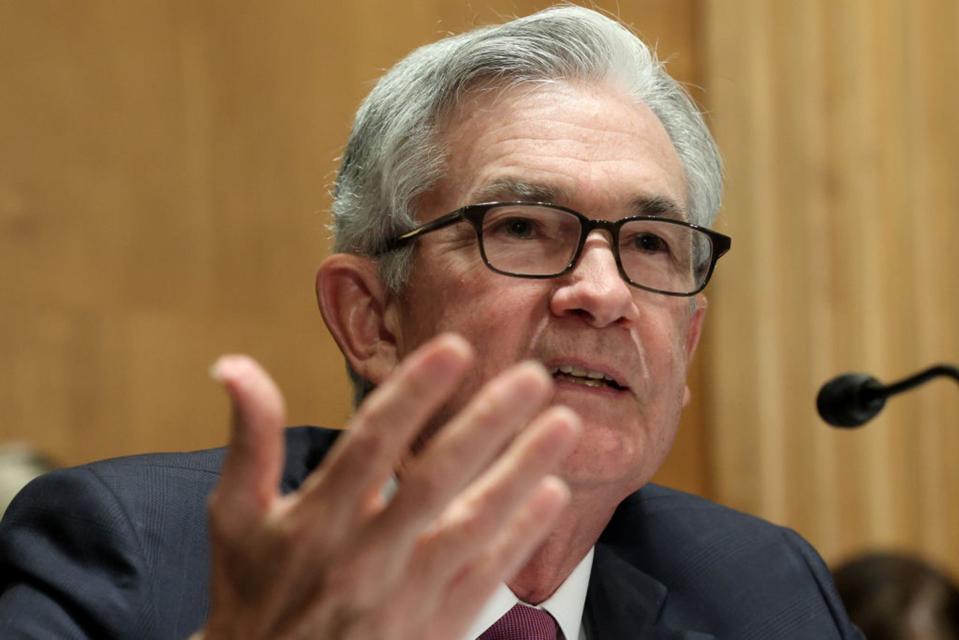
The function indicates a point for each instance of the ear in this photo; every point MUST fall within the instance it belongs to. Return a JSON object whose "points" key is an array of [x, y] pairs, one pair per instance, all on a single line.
{"points": [[693, 333], [356, 308]]}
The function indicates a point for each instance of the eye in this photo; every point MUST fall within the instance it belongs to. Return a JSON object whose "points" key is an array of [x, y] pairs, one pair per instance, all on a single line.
{"points": [[650, 243], [516, 227]]}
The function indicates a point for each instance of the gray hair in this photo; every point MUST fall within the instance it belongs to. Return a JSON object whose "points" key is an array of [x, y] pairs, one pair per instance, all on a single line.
{"points": [[394, 153]]}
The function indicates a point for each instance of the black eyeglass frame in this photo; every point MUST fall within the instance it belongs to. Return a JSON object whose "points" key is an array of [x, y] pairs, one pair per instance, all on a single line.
{"points": [[475, 213]]}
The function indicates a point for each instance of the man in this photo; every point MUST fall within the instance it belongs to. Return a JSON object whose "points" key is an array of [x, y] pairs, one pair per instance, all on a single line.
{"points": [[518, 290]]}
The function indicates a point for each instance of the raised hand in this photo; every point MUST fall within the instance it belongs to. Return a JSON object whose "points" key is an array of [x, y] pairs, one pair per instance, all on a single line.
{"points": [[335, 559]]}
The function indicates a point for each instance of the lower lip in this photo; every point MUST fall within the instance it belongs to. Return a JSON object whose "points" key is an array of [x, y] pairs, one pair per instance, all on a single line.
{"points": [[563, 382]]}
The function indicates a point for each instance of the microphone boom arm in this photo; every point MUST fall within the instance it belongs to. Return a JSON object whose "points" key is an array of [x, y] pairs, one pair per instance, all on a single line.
{"points": [[923, 376], [852, 399]]}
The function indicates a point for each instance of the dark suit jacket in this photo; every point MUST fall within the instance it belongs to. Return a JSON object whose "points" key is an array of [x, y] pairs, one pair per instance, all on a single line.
{"points": [[118, 549]]}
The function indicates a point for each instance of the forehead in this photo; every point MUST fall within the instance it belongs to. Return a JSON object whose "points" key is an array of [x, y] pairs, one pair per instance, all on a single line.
{"points": [[588, 146]]}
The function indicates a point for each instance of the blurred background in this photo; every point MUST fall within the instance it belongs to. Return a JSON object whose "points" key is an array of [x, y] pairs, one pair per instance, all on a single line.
{"points": [[165, 168]]}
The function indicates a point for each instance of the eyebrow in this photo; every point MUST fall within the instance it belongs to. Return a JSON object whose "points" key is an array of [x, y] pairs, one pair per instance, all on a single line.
{"points": [[511, 189], [659, 206]]}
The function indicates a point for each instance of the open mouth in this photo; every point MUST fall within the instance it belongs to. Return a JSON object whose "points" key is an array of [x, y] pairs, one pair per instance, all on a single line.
{"points": [[585, 377]]}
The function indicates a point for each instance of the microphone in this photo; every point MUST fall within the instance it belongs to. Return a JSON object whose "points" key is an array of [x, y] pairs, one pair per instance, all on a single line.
{"points": [[852, 399]]}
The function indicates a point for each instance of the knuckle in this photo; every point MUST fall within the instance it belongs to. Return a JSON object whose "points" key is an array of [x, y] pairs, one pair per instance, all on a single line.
{"points": [[290, 533]]}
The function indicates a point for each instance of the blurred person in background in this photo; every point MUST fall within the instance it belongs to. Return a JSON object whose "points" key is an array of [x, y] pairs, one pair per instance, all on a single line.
{"points": [[899, 597], [19, 464]]}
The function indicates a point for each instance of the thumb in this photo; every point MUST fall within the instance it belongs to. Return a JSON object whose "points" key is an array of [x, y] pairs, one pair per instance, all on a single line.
{"points": [[254, 461]]}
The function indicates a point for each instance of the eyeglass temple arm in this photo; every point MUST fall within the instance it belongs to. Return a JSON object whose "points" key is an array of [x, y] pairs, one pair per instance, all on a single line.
{"points": [[403, 239]]}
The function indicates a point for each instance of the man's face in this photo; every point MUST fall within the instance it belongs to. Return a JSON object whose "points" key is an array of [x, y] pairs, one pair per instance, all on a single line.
{"points": [[592, 149]]}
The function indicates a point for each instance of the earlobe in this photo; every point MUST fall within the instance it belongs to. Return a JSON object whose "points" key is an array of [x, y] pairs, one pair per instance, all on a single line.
{"points": [[354, 303]]}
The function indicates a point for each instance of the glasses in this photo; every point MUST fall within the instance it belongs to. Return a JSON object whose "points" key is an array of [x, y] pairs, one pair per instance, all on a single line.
{"points": [[539, 240]]}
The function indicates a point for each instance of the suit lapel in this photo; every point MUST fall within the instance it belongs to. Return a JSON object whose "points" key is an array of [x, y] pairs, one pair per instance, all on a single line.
{"points": [[624, 603]]}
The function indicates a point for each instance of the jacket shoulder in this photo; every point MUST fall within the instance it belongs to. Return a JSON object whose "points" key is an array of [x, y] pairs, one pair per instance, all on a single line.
{"points": [[304, 449], [673, 508], [732, 570], [119, 548], [662, 528]]}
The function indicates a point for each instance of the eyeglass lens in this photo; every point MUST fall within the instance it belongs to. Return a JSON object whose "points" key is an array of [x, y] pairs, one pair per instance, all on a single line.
{"points": [[532, 240]]}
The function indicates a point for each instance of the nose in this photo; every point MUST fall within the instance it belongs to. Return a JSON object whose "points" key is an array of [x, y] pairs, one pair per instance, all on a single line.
{"points": [[594, 289]]}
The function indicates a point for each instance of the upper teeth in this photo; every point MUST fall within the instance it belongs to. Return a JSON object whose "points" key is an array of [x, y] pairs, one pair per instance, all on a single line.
{"points": [[582, 373]]}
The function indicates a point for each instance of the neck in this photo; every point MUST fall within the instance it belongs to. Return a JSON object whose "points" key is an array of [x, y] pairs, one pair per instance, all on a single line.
{"points": [[578, 529]]}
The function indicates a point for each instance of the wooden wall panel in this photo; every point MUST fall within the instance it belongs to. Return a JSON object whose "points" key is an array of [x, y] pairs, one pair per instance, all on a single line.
{"points": [[164, 176], [838, 122]]}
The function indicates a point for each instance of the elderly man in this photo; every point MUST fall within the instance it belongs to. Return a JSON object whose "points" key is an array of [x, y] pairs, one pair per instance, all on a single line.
{"points": [[520, 223]]}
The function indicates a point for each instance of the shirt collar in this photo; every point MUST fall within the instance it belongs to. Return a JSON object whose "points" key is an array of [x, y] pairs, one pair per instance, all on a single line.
{"points": [[565, 605]]}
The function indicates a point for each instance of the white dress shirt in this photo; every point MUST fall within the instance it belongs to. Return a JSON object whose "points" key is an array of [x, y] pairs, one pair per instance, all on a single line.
{"points": [[565, 605]]}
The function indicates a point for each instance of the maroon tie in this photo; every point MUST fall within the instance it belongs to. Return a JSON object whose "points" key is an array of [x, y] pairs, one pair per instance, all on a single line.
{"points": [[523, 623]]}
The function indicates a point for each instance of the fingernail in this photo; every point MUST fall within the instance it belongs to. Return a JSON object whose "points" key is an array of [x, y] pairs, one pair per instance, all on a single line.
{"points": [[224, 367], [569, 415], [558, 486], [536, 364], [216, 370], [570, 425], [456, 341], [456, 353], [536, 367]]}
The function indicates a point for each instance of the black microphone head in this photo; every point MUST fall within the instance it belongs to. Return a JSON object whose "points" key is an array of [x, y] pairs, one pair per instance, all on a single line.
{"points": [[850, 400]]}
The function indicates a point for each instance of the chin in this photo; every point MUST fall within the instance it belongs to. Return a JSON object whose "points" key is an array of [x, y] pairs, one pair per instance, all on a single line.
{"points": [[612, 459]]}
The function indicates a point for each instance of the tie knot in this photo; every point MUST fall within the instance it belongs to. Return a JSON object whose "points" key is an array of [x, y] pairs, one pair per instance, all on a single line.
{"points": [[523, 623]]}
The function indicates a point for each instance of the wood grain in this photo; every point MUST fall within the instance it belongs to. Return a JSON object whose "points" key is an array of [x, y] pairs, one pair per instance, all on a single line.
{"points": [[838, 125]]}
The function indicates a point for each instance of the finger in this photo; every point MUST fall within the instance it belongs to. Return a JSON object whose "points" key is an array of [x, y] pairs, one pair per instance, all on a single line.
{"points": [[466, 527], [385, 426], [254, 460], [508, 552], [466, 445]]}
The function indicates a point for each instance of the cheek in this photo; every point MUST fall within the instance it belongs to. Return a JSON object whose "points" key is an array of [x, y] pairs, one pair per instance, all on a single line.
{"points": [[674, 328], [500, 324], [498, 315], [660, 340], [499, 320]]}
